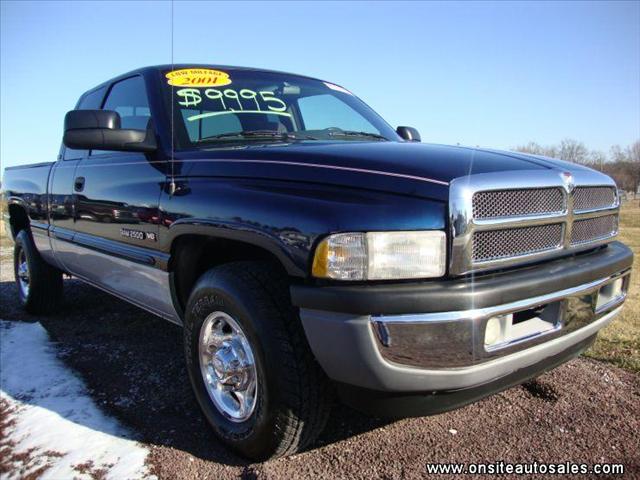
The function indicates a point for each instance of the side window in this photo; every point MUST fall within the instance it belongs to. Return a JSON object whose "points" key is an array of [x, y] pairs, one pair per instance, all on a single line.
{"points": [[91, 101], [128, 98], [326, 111]]}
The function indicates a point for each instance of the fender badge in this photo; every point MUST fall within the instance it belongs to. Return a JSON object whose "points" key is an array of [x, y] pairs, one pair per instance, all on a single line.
{"points": [[568, 182], [138, 234]]}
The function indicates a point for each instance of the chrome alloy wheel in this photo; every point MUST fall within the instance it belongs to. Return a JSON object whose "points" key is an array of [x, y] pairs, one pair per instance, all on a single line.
{"points": [[228, 367], [23, 273]]}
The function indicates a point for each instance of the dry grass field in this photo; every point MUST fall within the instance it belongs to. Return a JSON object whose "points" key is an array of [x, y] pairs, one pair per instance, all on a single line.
{"points": [[619, 343], [5, 242]]}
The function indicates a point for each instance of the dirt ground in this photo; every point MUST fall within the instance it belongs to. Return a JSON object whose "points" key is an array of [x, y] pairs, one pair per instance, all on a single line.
{"points": [[584, 411]]}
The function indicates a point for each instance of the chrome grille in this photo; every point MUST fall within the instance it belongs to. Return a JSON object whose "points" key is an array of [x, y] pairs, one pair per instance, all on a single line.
{"points": [[592, 198], [514, 242], [511, 203], [592, 229], [502, 220]]}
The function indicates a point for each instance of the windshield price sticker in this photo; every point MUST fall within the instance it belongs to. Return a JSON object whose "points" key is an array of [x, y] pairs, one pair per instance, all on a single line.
{"points": [[198, 77], [233, 101]]}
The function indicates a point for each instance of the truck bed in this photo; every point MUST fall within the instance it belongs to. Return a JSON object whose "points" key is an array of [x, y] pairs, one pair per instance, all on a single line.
{"points": [[30, 165]]}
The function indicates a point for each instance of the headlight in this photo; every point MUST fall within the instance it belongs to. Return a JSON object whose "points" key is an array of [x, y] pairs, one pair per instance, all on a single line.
{"points": [[381, 255]]}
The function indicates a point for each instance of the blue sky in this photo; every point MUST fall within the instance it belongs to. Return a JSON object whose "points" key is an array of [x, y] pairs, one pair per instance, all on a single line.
{"points": [[489, 74]]}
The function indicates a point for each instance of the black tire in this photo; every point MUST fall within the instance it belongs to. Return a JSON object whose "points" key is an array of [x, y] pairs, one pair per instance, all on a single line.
{"points": [[294, 395], [45, 289]]}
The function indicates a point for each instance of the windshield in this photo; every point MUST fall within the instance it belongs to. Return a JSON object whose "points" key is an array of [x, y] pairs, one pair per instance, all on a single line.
{"points": [[218, 106]]}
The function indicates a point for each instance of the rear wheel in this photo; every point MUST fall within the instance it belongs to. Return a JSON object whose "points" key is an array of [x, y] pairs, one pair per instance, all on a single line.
{"points": [[249, 363], [39, 284]]}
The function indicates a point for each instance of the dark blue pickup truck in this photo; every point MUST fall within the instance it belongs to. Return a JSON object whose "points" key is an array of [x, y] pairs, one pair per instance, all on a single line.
{"points": [[309, 249]]}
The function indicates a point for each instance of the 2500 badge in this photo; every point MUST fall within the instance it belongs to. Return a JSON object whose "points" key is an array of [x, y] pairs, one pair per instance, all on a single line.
{"points": [[138, 234]]}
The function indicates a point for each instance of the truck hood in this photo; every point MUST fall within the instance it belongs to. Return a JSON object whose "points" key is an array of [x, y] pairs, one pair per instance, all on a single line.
{"points": [[418, 169]]}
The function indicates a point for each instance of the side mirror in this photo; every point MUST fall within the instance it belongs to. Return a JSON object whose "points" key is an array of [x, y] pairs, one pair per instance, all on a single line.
{"points": [[409, 134], [100, 130]]}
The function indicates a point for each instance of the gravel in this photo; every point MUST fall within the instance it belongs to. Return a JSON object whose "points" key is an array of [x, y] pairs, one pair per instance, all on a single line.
{"points": [[132, 363]]}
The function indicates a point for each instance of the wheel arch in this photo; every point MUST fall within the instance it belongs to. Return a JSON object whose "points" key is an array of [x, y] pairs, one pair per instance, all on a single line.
{"points": [[197, 247], [18, 218]]}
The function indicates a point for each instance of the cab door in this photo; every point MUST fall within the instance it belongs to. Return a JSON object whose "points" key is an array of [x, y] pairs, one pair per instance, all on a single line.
{"points": [[116, 210], [61, 193]]}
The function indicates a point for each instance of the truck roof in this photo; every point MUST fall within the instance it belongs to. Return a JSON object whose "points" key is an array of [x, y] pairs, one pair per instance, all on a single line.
{"points": [[178, 66]]}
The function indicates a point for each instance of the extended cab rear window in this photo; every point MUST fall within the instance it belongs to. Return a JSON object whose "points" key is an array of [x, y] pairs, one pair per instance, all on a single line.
{"points": [[128, 97], [90, 101]]}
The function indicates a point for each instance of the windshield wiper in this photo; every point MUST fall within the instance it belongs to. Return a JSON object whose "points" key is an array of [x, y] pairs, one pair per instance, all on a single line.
{"points": [[353, 133], [257, 134]]}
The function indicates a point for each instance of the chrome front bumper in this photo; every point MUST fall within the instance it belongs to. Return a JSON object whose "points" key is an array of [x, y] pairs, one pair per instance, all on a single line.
{"points": [[457, 339], [445, 351]]}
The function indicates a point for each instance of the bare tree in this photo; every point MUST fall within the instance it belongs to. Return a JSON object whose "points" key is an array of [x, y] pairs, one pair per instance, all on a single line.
{"points": [[633, 152], [573, 151], [531, 147], [625, 168], [617, 154], [597, 159], [537, 149], [633, 159], [621, 164]]}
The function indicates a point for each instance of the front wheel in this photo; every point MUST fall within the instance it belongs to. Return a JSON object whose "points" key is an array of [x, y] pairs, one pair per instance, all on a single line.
{"points": [[39, 284], [249, 363]]}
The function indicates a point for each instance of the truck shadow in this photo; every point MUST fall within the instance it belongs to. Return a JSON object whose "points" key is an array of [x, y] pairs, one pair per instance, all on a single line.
{"points": [[132, 364]]}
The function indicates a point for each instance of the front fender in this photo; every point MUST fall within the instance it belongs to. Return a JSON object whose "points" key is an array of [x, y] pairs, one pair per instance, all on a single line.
{"points": [[236, 231], [288, 218]]}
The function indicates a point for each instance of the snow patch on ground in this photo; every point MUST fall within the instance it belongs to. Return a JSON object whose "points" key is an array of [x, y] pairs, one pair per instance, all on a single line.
{"points": [[54, 422]]}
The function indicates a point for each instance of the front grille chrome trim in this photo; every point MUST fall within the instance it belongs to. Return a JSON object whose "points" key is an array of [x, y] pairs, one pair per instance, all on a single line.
{"points": [[463, 225], [514, 222]]}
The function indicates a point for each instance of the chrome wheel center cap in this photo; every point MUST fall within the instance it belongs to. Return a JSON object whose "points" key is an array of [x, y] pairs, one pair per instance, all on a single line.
{"points": [[228, 367], [24, 277], [232, 365]]}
